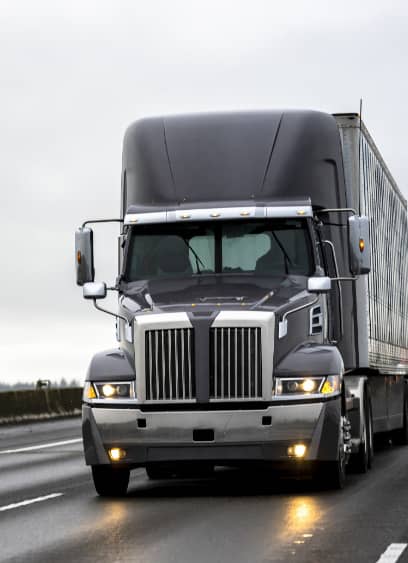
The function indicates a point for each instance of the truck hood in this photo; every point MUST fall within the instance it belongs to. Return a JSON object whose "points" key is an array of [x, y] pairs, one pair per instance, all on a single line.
{"points": [[210, 292]]}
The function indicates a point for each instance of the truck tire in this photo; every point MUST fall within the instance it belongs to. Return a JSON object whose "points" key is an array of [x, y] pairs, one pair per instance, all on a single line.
{"points": [[333, 473], [400, 436], [109, 481], [362, 461]]}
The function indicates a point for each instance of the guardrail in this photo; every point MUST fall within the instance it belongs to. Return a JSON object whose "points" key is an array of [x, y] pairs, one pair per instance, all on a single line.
{"points": [[39, 404]]}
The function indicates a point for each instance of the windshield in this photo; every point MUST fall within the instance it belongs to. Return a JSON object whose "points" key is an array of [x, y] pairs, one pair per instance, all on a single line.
{"points": [[273, 247]]}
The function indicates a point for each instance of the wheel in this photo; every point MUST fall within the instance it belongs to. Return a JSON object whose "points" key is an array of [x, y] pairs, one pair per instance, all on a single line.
{"points": [[362, 461], [156, 472], [334, 476], [400, 436], [333, 473], [110, 481]]}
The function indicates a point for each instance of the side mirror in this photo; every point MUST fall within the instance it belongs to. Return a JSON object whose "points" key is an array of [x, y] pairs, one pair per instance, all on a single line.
{"points": [[94, 290], [84, 262], [359, 245], [319, 285]]}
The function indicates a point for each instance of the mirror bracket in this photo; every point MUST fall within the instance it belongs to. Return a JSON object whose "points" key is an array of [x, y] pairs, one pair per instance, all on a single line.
{"points": [[128, 323]]}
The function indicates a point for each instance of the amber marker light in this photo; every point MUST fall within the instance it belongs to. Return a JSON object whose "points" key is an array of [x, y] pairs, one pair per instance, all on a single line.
{"points": [[361, 245], [300, 211], [331, 385], [185, 216], [90, 392], [116, 454], [297, 450], [215, 215], [79, 256], [328, 388]]}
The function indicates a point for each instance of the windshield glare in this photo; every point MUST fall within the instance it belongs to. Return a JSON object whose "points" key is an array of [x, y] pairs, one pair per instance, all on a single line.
{"points": [[274, 247]]}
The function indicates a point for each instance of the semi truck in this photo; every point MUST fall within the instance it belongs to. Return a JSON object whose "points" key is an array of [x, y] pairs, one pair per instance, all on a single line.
{"points": [[262, 309]]}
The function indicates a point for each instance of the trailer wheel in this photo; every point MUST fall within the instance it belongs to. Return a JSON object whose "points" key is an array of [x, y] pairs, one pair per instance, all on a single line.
{"points": [[400, 436], [109, 481], [362, 461]]}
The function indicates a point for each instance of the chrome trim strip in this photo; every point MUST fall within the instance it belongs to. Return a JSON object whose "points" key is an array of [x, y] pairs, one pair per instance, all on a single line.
{"points": [[150, 217], [211, 214], [289, 211]]}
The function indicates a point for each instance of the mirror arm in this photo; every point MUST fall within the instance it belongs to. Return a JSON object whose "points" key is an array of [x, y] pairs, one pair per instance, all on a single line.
{"points": [[337, 210], [101, 221], [283, 323], [116, 315], [304, 306]]}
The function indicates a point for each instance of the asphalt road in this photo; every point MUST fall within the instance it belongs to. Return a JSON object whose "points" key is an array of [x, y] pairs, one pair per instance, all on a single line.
{"points": [[50, 512]]}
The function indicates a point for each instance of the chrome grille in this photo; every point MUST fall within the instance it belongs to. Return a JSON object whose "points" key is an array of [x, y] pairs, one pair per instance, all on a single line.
{"points": [[235, 363], [169, 364]]}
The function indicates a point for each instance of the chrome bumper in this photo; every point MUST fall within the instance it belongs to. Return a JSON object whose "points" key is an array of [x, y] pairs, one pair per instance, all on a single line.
{"points": [[239, 435]]}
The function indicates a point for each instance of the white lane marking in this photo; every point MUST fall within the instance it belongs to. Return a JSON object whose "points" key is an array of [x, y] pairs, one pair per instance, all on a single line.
{"points": [[392, 553], [30, 501], [41, 446]]}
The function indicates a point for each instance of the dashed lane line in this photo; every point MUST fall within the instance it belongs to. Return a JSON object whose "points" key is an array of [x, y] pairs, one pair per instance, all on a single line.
{"points": [[392, 553], [29, 501], [41, 446]]}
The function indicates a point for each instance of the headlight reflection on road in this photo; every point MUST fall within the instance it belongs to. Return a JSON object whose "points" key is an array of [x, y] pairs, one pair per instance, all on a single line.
{"points": [[302, 515], [301, 518]]}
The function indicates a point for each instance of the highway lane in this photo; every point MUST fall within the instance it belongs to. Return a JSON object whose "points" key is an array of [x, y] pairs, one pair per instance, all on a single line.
{"points": [[233, 517]]}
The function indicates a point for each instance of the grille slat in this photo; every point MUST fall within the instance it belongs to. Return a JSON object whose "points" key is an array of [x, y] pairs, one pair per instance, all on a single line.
{"points": [[169, 365], [156, 349], [235, 363]]}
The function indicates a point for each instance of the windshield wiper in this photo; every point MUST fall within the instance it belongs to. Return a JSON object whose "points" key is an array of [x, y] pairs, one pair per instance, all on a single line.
{"points": [[263, 300], [285, 254], [196, 256]]}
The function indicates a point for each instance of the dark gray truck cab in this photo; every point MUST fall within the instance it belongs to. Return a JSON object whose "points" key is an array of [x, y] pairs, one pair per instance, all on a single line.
{"points": [[242, 317]]}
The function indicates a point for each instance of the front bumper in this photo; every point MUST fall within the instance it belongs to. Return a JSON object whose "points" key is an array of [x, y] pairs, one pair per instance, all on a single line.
{"points": [[238, 436]]}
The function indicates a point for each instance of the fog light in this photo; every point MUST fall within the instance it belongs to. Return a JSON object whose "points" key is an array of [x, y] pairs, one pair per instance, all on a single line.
{"points": [[116, 454], [298, 450]]}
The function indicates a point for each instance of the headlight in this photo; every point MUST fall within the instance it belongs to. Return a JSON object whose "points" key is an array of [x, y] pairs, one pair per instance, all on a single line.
{"points": [[109, 390], [288, 387]]}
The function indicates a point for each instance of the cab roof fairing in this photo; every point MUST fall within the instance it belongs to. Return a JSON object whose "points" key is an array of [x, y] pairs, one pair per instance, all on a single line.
{"points": [[211, 159]]}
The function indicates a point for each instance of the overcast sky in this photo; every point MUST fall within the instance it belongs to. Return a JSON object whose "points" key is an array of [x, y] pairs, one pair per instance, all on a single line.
{"points": [[74, 74]]}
